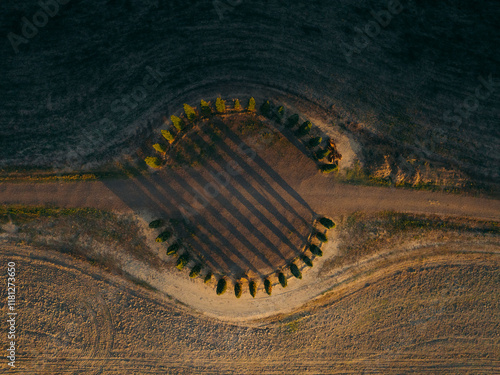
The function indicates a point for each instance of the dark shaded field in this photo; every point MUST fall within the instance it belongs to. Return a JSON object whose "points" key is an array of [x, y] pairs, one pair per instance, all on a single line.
{"points": [[399, 92]]}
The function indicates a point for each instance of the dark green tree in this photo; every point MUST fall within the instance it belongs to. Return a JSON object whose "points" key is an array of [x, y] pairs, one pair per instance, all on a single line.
{"points": [[313, 142], [280, 112], [321, 154], [295, 271], [190, 112], [160, 148], [182, 261], [163, 236], [304, 129], [252, 286], [268, 286], [153, 162], [265, 109], [178, 123], [220, 105], [208, 277], [172, 249], [251, 105], [327, 223], [292, 121], [237, 105], [321, 236], [238, 290], [282, 279], [306, 260], [205, 109], [156, 223], [195, 271], [316, 250], [221, 286]]}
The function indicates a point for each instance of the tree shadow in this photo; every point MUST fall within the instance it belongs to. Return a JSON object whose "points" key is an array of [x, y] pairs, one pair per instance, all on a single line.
{"points": [[238, 226]]}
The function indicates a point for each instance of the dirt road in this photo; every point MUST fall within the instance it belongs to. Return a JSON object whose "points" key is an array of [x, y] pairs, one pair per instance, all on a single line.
{"points": [[321, 194]]}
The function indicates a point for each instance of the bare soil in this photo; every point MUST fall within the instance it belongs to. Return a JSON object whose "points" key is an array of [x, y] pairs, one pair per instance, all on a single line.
{"points": [[434, 314]]}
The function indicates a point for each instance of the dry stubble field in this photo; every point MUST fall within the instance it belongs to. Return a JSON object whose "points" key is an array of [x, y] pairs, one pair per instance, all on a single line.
{"points": [[426, 316], [419, 297]]}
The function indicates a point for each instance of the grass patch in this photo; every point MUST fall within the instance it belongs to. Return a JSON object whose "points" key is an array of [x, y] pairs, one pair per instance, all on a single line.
{"points": [[78, 232], [364, 234]]}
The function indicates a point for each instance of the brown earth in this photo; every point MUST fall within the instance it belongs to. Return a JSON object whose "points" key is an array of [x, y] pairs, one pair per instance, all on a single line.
{"points": [[435, 313]]}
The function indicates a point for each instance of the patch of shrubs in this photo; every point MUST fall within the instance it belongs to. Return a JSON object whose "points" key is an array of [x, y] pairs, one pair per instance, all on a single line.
{"points": [[306, 260], [221, 286], [238, 290], [172, 249], [321, 236], [183, 261], [252, 286], [282, 279], [268, 286], [156, 223], [163, 236], [327, 223], [295, 271], [195, 271], [316, 250]]}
